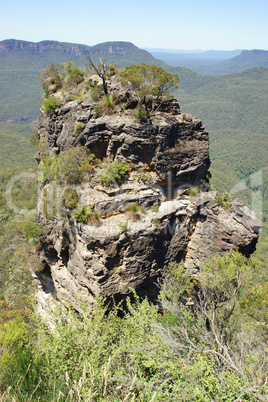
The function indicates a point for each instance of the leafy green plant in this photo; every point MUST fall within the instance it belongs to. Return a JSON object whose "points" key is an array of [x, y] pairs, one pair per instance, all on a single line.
{"points": [[154, 208], [224, 200], [123, 226], [70, 198], [30, 228], [149, 80], [78, 127], [50, 104], [79, 97], [51, 79], [108, 101], [70, 167], [96, 92], [141, 113], [72, 75], [98, 111], [134, 208], [193, 190], [113, 173], [82, 213]]}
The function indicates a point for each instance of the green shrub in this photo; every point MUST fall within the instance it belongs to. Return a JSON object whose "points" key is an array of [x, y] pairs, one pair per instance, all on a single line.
{"points": [[193, 190], [51, 79], [78, 127], [82, 213], [154, 208], [114, 173], [96, 92], [31, 228], [134, 208], [224, 200], [98, 111], [141, 113], [70, 167], [108, 101], [49, 105], [79, 97], [70, 197], [72, 75]]}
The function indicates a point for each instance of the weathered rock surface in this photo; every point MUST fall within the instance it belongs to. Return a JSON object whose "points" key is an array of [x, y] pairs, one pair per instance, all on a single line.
{"points": [[167, 145], [124, 249]]}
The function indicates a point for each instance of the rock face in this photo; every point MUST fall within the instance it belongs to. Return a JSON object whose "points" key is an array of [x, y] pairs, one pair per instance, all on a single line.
{"points": [[132, 247], [169, 146]]}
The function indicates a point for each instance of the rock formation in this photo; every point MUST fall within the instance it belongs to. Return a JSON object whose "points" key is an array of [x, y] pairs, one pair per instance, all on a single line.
{"points": [[146, 221]]}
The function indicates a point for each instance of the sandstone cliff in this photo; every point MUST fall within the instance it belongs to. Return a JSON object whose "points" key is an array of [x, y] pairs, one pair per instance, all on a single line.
{"points": [[145, 220]]}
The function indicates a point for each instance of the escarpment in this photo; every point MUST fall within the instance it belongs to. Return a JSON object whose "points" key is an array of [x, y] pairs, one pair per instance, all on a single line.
{"points": [[115, 220]]}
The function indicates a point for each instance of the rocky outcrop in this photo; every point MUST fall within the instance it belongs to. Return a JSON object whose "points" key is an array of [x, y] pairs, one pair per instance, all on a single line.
{"points": [[169, 146], [126, 247]]}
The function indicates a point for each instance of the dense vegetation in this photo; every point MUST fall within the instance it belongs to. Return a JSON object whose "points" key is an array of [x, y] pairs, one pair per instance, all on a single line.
{"points": [[209, 340], [208, 344]]}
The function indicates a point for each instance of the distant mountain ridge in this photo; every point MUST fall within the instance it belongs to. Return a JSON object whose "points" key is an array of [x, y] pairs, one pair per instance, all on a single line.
{"points": [[13, 45], [173, 55], [47, 46], [214, 62]]}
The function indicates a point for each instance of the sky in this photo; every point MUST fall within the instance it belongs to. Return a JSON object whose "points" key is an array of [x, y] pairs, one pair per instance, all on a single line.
{"points": [[168, 24]]}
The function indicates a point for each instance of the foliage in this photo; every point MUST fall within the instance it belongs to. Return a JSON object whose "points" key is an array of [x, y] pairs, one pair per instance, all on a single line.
{"points": [[134, 208], [70, 197], [256, 304], [71, 166], [49, 105], [96, 92], [193, 190], [113, 173], [30, 228], [97, 356], [149, 80], [208, 315], [141, 113], [82, 213], [224, 200], [51, 79], [71, 74], [108, 103], [98, 111], [64, 75], [78, 127]]}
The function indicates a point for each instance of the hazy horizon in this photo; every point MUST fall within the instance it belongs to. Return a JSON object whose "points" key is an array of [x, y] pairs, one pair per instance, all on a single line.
{"points": [[173, 24]]}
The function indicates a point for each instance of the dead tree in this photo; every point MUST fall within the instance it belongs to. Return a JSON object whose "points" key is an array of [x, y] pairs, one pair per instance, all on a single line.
{"points": [[101, 71]]}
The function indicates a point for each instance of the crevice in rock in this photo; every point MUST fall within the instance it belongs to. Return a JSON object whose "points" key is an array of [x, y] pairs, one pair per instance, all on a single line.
{"points": [[46, 280]]}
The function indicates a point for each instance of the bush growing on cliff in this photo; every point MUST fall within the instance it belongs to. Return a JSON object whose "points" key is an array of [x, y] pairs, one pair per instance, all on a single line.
{"points": [[224, 199], [64, 75], [113, 173], [83, 212], [141, 113], [51, 79], [70, 198], [108, 103], [71, 166], [71, 74], [149, 80], [49, 105]]}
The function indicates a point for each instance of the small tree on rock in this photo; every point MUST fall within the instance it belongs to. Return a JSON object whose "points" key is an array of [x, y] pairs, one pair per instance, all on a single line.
{"points": [[149, 81]]}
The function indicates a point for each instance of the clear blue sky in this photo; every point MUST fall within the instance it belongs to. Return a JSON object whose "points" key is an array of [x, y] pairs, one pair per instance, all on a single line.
{"points": [[171, 24]]}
